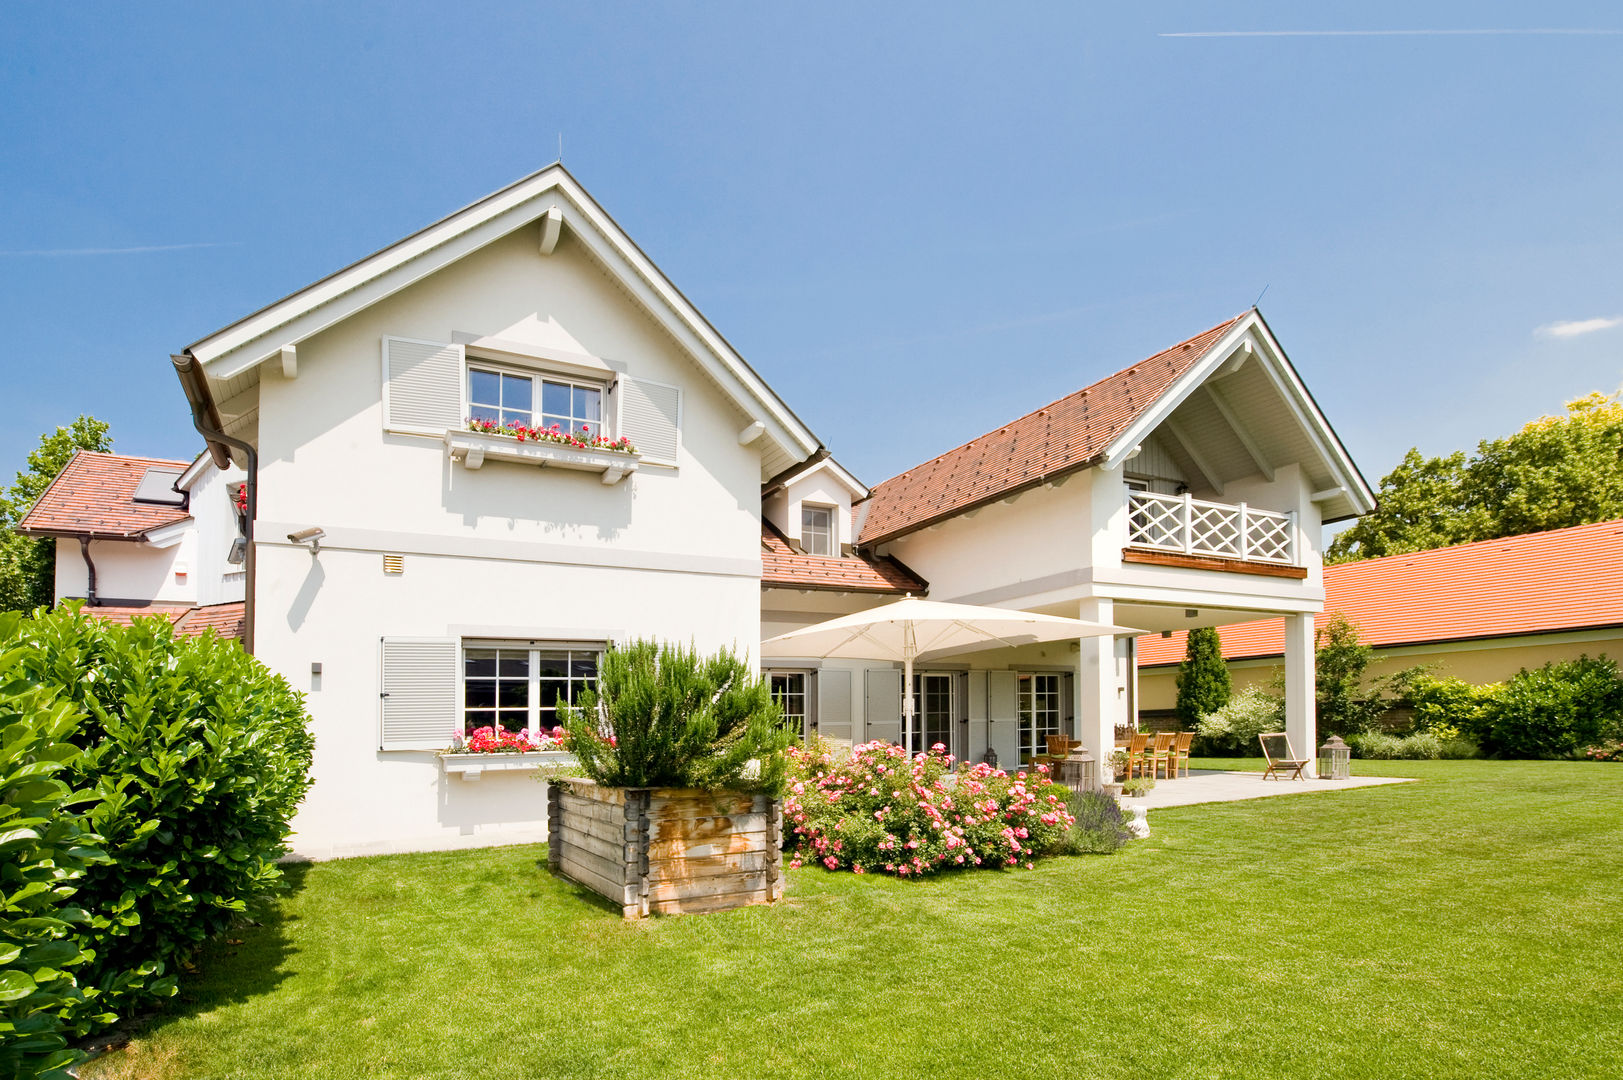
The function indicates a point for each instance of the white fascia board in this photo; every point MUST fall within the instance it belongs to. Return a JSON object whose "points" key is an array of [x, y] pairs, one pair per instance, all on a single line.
{"points": [[836, 470], [251, 341], [169, 535], [1175, 395], [1285, 378], [194, 471]]}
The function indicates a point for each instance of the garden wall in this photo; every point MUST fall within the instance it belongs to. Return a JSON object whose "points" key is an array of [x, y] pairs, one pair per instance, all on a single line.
{"points": [[666, 851]]}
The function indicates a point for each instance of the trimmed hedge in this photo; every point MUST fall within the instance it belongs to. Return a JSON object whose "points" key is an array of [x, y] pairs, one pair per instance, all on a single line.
{"points": [[193, 757], [1556, 711], [43, 857]]}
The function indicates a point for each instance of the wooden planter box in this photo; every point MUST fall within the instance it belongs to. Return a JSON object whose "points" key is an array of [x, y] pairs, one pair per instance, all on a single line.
{"points": [[666, 851]]}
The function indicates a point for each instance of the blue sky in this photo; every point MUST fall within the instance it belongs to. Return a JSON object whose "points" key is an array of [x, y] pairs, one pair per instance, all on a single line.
{"points": [[916, 222]]}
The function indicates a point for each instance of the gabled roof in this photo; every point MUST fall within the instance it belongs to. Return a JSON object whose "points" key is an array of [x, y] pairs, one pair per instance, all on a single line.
{"points": [[783, 567], [1539, 583], [94, 495], [1059, 437], [1102, 424], [555, 199]]}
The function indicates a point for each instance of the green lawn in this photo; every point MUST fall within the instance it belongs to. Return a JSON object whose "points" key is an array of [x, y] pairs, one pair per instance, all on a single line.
{"points": [[1468, 925]]}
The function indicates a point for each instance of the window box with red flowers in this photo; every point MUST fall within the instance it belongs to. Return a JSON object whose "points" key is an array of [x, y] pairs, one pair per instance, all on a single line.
{"points": [[582, 449], [488, 750]]}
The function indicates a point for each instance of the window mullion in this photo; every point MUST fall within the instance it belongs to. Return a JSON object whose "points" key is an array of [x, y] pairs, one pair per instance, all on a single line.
{"points": [[533, 699]]}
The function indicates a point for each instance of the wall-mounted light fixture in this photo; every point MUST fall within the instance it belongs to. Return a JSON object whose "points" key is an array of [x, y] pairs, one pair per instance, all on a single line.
{"points": [[312, 537], [239, 552]]}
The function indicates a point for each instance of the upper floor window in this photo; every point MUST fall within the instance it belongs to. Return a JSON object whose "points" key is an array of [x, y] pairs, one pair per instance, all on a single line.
{"points": [[817, 530], [506, 398]]}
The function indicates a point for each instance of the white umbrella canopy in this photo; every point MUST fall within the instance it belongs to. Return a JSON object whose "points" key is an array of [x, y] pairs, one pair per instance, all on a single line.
{"points": [[912, 628]]}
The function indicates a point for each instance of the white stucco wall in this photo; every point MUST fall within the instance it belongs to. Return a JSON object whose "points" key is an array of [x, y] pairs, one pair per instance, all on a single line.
{"points": [[508, 550], [130, 570], [217, 581]]}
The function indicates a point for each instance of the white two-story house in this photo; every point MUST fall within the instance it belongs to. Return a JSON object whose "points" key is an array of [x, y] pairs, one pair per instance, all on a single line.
{"points": [[419, 576]]}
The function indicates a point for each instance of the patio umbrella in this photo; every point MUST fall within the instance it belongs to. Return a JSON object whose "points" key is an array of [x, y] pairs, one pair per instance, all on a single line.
{"points": [[912, 628]]}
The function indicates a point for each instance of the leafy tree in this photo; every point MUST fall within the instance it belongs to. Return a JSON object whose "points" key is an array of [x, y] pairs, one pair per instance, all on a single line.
{"points": [[1557, 471], [28, 564], [1204, 685], [1345, 704]]}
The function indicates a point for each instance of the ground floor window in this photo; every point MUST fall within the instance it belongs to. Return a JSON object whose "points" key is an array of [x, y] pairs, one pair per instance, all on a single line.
{"points": [[789, 694], [517, 687], [1037, 706], [932, 712]]}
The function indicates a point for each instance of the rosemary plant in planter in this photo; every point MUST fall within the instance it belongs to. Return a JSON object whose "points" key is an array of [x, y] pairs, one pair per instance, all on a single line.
{"points": [[679, 807]]}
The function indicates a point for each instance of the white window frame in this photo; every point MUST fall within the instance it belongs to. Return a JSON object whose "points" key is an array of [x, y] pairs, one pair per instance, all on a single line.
{"points": [[534, 647], [1031, 738], [538, 376], [807, 694], [832, 531], [918, 735]]}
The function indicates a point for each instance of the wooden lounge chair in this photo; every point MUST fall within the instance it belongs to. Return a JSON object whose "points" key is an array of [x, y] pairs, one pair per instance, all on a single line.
{"points": [[1276, 748], [1180, 752], [1160, 756]]}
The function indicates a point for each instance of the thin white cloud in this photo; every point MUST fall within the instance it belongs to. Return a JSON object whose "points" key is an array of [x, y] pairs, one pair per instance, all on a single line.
{"points": [[1579, 327], [142, 250], [1506, 32]]}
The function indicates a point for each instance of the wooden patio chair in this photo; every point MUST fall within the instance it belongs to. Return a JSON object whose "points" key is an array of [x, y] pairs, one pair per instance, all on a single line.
{"points": [[1276, 750], [1135, 754], [1160, 757], [1061, 745], [1180, 752]]}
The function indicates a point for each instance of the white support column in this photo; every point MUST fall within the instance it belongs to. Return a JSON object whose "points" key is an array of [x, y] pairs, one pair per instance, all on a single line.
{"points": [[1101, 698], [1300, 722]]}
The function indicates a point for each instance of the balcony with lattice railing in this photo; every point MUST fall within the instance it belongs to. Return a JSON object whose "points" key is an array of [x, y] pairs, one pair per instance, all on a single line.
{"points": [[1194, 527]]}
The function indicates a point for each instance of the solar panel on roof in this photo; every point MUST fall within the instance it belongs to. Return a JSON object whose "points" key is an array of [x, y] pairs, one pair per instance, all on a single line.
{"points": [[158, 486]]}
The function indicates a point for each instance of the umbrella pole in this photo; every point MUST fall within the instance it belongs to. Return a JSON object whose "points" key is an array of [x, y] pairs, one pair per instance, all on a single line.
{"points": [[909, 647]]}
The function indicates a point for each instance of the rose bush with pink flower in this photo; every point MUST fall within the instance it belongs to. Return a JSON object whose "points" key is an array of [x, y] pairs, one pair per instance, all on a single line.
{"points": [[879, 811]]}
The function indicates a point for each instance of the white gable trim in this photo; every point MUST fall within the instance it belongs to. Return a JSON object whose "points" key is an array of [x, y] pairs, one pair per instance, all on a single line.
{"points": [[261, 336], [834, 469], [1273, 361]]}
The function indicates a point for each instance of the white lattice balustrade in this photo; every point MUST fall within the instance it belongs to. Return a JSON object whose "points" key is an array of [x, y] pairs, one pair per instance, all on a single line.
{"points": [[1197, 527]]}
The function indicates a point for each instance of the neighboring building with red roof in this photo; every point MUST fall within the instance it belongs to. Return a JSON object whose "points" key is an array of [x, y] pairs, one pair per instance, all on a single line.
{"points": [[144, 536], [1479, 611]]}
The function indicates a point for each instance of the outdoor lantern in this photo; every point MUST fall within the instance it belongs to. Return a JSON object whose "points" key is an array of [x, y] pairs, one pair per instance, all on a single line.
{"points": [[1078, 771], [1335, 759]]}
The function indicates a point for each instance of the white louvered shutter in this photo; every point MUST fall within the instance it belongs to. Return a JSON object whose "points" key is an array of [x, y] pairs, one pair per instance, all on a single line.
{"points": [[834, 705], [651, 417], [1002, 697], [418, 705], [423, 386], [882, 705]]}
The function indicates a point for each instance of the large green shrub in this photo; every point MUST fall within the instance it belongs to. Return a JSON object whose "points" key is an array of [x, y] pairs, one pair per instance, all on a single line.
{"points": [[1234, 728], [44, 853], [197, 756], [1204, 684], [1554, 711], [663, 716], [1444, 706], [1346, 702]]}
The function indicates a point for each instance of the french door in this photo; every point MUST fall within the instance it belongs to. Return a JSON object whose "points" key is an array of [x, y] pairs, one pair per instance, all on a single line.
{"points": [[932, 712]]}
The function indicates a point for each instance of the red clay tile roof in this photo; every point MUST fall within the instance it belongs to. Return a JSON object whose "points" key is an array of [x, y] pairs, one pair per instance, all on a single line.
{"points": [[226, 620], [783, 567], [1060, 436], [95, 495], [125, 615], [1564, 579]]}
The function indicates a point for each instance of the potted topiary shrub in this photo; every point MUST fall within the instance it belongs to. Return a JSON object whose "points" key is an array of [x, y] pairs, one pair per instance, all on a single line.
{"points": [[678, 808]]}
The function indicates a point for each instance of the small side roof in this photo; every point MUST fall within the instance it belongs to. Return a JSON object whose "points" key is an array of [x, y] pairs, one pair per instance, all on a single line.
{"points": [[1537, 583], [94, 496], [783, 567], [556, 200], [1101, 424]]}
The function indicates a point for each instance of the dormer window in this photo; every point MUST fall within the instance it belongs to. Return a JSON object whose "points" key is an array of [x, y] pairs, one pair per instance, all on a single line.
{"points": [[817, 530], [505, 398]]}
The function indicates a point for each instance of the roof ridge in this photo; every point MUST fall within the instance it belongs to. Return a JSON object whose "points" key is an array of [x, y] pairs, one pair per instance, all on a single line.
{"points": [[127, 457], [1063, 398]]}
